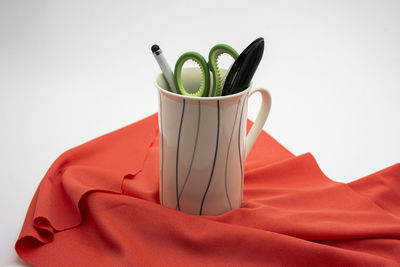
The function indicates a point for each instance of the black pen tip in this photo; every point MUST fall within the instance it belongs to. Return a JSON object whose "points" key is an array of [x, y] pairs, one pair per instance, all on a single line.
{"points": [[259, 41], [155, 48]]}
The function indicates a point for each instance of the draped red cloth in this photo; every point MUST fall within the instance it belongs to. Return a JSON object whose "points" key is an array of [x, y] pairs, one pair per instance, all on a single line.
{"points": [[98, 205]]}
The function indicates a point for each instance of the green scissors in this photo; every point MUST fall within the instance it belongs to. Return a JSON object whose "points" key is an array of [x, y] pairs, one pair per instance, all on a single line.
{"points": [[205, 68]]}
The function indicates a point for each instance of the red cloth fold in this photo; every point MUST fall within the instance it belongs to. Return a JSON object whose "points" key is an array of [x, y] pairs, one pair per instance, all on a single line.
{"points": [[98, 205]]}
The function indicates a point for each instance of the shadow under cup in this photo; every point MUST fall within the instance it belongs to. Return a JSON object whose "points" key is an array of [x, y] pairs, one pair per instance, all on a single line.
{"points": [[202, 149]]}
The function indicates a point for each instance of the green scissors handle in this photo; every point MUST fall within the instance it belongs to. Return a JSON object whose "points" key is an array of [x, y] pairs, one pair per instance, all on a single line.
{"points": [[205, 68]]}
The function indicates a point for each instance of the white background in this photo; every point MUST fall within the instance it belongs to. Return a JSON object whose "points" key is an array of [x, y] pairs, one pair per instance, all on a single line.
{"points": [[73, 70]]}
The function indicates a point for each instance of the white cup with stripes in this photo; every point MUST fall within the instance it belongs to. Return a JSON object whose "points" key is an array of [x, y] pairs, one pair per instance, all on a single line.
{"points": [[203, 146]]}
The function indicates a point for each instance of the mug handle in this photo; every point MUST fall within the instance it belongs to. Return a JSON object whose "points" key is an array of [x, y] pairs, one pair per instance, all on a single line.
{"points": [[260, 119]]}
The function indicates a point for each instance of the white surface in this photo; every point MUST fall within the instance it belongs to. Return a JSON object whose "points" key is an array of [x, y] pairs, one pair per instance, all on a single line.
{"points": [[73, 70]]}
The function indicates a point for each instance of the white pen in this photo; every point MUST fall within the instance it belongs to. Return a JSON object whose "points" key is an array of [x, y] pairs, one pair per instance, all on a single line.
{"points": [[166, 70]]}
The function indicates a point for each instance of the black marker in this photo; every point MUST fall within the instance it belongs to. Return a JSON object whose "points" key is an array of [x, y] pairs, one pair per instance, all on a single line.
{"points": [[243, 69]]}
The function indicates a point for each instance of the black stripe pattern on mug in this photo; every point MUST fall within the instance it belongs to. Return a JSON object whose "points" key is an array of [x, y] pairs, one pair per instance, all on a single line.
{"points": [[215, 158], [194, 152], [200, 172], [239, 148], [227, 155], [177, 155]]}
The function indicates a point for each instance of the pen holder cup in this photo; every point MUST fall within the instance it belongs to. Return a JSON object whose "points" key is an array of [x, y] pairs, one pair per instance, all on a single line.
{"points": [[203, 146]]}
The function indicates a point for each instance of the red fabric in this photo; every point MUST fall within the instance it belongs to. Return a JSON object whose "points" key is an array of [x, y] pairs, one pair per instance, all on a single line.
{"points": [[98, 205]]}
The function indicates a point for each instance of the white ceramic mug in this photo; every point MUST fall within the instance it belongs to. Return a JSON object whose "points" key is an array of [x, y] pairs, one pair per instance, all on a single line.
{"points": [[203, 146]]}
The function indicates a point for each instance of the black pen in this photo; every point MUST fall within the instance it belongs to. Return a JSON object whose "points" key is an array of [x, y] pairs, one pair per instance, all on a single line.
{"points": [[162, 62], [244, 67]]}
